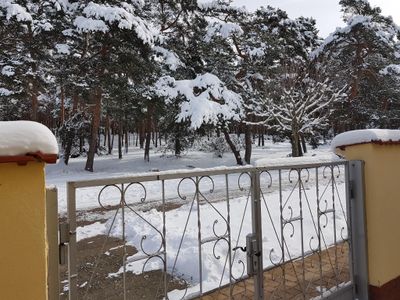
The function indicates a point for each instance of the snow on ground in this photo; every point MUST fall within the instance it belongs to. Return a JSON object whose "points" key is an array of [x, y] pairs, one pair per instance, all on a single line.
{"points": [[214, 269], [109, 166]]}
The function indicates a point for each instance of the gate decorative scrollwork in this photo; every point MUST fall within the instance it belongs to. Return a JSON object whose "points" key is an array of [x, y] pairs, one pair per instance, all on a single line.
{"points": [[187, 232]]}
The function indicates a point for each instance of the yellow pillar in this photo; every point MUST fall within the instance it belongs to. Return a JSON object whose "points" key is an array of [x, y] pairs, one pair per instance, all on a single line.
{"points": [[23, 250], [382, 189]]}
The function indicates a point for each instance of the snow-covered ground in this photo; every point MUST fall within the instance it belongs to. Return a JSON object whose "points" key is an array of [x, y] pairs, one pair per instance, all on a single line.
{"points": [[109, 166], [181, 223]]}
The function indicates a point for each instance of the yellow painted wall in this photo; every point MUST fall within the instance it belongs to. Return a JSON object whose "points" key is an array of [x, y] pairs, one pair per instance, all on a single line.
{"points": [[23, 248], [382, 188]]}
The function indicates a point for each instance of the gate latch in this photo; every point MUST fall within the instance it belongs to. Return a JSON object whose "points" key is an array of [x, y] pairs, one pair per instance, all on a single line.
{"points": [[64, 239], [253, 254]]}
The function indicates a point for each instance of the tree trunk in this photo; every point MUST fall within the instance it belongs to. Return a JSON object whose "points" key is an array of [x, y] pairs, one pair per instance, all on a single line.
{"points": [[296, 147], [178, 146], [71, 136], [235, 152], [112, 140], [248, 143], [262, 138], [300, 149], [75, 102], [148, 129], [81, 144], [126, 141], [68, 147], [355, 84], [35, 105], [120, 140], [303, 143], [94, 130], [33, 83], [109, 142], [62, 111], [147, 147], [106, 129], [142, 135], [96, 118], [98, 140]]}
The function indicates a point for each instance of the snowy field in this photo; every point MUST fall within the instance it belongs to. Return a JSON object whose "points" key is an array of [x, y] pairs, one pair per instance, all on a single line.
{"points": [[108, 166], [181, 223]]}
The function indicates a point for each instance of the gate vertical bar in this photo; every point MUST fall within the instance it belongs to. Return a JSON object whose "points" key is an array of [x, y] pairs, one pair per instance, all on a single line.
{"points": [[53, 275], [199, 234], [164, 242], [72, 264], [257, 231], [124, 254], [357, 232], [228, 210]]}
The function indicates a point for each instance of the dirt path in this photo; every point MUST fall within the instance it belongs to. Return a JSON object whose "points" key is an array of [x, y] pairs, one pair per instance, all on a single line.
{"points": [[97, 258]]}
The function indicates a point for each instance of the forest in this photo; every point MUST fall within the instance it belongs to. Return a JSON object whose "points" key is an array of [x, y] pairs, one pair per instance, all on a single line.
{"points": [[162, 73]]}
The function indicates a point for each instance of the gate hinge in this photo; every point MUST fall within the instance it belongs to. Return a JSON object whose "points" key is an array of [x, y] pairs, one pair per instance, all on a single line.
{"points": [[63, 231]]}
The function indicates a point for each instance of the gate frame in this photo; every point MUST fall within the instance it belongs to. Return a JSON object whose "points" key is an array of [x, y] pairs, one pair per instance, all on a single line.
{"points": [[358, 234], [256, 220], [355, 196]]}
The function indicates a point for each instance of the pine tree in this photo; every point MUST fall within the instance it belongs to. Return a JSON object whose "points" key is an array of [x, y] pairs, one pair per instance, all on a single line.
{"points": [[354, 56], [26, 40], [195, 69], [111, 43]]}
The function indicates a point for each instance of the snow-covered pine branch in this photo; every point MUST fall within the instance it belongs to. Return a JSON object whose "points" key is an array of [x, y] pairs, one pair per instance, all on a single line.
{"points": [[205, 99], [98, 17]]}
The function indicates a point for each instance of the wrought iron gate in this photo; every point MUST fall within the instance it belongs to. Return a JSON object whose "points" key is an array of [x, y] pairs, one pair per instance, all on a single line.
{"points": [[281, 232]]}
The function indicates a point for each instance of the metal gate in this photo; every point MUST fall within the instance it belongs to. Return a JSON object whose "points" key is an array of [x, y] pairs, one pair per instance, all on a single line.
{"points": [[276, 232]]}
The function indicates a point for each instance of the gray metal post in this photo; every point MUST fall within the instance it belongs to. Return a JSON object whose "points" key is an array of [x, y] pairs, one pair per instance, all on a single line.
{"points": [[357, 233], [53, 276], [72, 263], [257, 231]]}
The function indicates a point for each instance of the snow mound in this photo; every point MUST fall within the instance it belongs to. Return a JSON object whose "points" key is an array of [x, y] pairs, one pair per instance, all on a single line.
{"points": [[365, 136], [22, 137]]}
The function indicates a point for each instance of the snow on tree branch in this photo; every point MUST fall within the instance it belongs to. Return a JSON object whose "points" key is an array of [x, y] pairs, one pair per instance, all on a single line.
{"points": [[97, 16], [223, 29], [219, 5], [383, 32], [168, 57], [391, 69], [206, 99], [303, 109], [15, 10]]}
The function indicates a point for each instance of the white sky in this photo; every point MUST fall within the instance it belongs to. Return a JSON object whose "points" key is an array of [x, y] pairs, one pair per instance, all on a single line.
{"points": [[326, 12]]}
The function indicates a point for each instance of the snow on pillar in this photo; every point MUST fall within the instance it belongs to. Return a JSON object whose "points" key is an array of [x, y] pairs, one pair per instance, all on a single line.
{"points": [[25, 148], [380, 150]]}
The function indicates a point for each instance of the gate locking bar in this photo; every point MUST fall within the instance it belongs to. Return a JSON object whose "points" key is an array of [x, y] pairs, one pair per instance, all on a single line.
{"points": [[253, 254], [64, 233], [241, 248]]}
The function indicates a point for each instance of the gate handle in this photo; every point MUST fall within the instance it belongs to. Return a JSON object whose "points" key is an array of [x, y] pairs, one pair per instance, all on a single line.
{"points": [[241, 248]]}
